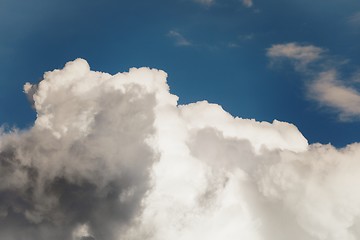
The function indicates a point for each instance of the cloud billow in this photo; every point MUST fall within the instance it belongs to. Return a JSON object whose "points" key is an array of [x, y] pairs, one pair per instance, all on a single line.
{"points": [[85, 161], [115, 157]]}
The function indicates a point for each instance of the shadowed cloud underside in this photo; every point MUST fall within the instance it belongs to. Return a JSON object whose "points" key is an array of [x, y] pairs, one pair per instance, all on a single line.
{"points": [[115, 157]]}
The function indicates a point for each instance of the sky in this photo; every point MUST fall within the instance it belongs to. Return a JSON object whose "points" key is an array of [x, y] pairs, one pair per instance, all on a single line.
{"points": [[211, 50], [179, 120]]}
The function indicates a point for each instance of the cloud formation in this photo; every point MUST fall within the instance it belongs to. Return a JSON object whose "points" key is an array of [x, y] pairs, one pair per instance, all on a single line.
{"points": [[329, 91], [179, 39], [325, 85], [302, 54], [115, 157], [86, 160], [247, 3]]}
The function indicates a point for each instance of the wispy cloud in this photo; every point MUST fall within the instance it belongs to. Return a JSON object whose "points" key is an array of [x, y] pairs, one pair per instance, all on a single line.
{"points": [[240, 40], [325, 86], [246, 37], [329, 91], [354, 19], [356, 76], [233, 45], [179, 39], [301, 54], [247, 3]]}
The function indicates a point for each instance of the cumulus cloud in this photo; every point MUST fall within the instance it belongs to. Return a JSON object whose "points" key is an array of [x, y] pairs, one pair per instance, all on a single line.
{"points": [[85, 161], [179, 39], [115, 157], [325, 85]]}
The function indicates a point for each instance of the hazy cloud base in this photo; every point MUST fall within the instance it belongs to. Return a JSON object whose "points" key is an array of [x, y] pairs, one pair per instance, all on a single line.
{"points": [[114, 157]]}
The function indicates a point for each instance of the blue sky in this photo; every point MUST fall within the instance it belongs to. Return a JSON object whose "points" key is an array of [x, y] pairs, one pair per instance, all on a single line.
{"points": [[215, 50]]}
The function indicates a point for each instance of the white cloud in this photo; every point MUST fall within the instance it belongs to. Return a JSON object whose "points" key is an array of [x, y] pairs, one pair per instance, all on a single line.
{"points": [[179, 39], [247, 3], [330, 91], [302, 54], [324, 87], [89, 147], [114, 157]]}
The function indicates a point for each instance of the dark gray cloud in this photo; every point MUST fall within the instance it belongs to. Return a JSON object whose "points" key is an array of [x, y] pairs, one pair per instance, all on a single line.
{"points": [[92, 168]]}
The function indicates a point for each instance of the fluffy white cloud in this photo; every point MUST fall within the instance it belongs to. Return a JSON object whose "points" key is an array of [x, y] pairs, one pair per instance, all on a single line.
{"points": [[325, 86], [114, 157]]}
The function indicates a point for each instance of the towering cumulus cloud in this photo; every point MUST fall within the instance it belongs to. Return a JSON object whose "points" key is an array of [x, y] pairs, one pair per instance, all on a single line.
{"points": [[114, 157]]}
